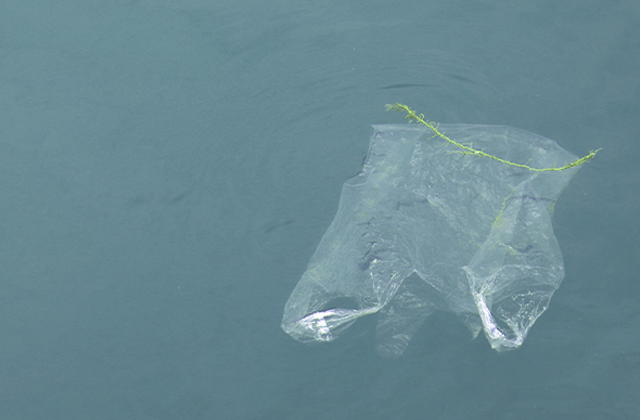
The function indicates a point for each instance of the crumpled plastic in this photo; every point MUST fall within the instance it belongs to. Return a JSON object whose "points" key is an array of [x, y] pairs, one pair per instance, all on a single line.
{"points": [[424, 226]]}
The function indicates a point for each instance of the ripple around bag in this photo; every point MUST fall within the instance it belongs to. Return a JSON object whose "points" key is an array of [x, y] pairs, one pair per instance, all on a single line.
{"points": [[424, 226]]}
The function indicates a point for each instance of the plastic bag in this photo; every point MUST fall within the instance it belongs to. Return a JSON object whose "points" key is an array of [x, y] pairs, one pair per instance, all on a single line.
{"points": [[425, 226]]}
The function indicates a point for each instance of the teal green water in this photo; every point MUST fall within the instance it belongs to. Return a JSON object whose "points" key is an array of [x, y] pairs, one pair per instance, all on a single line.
{"points": [[168, 168]]}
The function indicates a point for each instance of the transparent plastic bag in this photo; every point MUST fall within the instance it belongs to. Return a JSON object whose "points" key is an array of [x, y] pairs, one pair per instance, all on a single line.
{"points": [[426, 226]]}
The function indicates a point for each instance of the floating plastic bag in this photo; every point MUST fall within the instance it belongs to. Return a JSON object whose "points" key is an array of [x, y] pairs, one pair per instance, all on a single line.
{"points": [[429, 223]]}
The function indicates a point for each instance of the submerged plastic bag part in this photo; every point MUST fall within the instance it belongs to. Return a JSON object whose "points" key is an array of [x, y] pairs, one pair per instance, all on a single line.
{"points": [[424, 226]]}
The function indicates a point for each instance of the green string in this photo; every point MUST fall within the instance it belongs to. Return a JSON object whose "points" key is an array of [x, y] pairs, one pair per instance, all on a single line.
{"points": [[466, 150]]}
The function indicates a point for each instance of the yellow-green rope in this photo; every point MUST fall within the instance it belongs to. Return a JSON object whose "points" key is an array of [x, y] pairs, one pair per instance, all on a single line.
{"points": [[412, 116]]}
